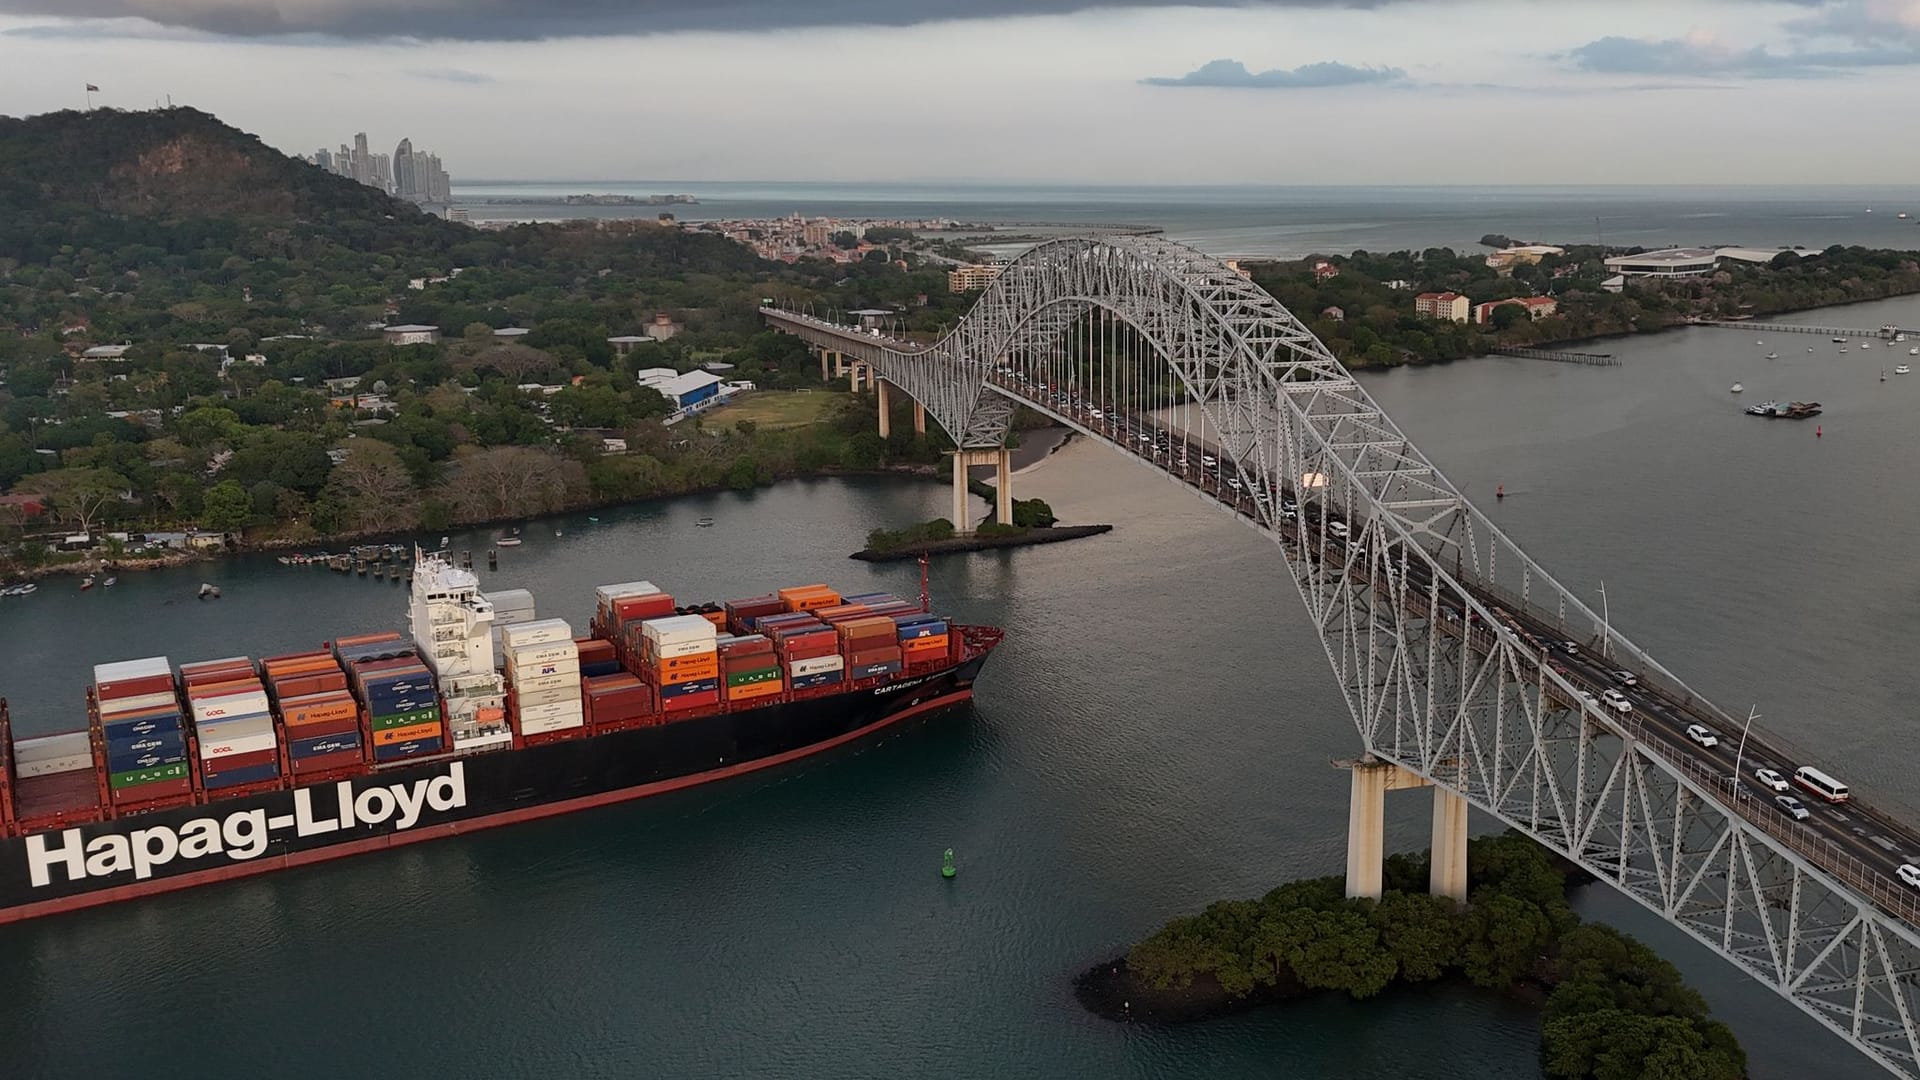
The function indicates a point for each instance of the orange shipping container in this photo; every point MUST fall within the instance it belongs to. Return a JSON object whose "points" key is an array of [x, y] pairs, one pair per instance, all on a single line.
{"points": [[673, 665], [390, 736], [709, 670], [301, 665], [318, 709], [921, 647], [754, 690]]}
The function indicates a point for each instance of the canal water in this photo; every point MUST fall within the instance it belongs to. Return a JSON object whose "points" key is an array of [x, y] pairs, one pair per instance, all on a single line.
{"points": [[1156, 733]]}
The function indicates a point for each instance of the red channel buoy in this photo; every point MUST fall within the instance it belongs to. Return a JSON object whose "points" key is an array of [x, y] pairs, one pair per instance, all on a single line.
{"points": [[1500, 491], [1816, 431]]}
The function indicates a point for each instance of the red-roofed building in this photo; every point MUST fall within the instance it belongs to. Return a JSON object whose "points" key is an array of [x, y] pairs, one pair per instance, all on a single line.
{"points": [[1538, 307], [1442, 305], [1322, 270]]}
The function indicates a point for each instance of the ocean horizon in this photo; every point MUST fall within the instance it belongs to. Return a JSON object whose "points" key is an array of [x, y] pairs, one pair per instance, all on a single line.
{"points": [[1282, 221]]}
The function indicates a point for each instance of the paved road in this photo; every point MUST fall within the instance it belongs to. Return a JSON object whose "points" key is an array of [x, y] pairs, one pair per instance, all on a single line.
{"points": [[1861, 846]]}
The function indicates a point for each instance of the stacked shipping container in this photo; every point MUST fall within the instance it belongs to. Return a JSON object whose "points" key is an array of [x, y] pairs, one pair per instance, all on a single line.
{"points": [[318, 715], [397, 691], [234, 722], [680, 659], [543, 670], [141, 731]]}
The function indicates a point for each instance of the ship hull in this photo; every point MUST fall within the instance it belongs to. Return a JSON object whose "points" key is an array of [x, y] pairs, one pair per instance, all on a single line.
{"points": [[87, 865]]}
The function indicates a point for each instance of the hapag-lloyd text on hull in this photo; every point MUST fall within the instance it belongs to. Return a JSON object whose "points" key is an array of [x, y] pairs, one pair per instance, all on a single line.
{"points": [[130, 851]]}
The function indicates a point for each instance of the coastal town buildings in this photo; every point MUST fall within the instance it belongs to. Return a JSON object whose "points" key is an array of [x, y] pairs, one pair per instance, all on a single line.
{"points": [[1537, 307], [972, 276], [1442, 305]]}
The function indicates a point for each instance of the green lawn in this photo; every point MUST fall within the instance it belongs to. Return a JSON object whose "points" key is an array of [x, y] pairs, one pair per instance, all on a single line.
{"points": [[778, 408]]}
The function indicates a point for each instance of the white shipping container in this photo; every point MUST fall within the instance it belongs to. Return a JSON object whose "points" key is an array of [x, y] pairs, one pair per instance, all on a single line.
{"points": [[605, 595], [50, 766], [219, 708], [537, 632], [553, 653], [532, 699], [219, 748], [512, 618], [685, 648], [558, 709], [510, 600], [541, 727], [236, 727], [524, 672], [672, 629], [482, 742], [532, 684], [138, 703], [120, 670], [48, 747], [816, 665]]}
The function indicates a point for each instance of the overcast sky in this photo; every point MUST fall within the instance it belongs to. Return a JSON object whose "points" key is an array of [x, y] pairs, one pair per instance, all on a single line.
{"points": [[1281, 92]]}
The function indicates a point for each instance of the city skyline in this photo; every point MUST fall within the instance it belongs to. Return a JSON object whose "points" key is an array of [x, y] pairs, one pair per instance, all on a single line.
{"points": [[1301, 92], [414, 175]]}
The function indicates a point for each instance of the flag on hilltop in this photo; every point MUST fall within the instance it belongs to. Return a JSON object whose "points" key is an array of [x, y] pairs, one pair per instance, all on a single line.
{"points": [[92, 89]]}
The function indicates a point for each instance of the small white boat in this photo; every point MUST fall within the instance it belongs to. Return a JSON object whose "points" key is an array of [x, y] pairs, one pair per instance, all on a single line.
{"points": [[507, 541], [1915, 351], [1759, 343], [1866, 344], [1903, 370], [1773, 356], [87, 584], [110, 582], [1735, 388]]}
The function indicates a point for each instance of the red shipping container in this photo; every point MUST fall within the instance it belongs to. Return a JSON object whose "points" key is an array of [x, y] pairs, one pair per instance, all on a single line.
{"points": [[230, 762], [366, 639], [324, 762], [631, 608], [691, 701], [325, 727], [126, 688], [302, 685], [874, 656], [163, 789]]}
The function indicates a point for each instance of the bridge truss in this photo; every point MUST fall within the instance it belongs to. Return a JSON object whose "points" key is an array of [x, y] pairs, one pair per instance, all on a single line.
{"points": [[1431, 617]]}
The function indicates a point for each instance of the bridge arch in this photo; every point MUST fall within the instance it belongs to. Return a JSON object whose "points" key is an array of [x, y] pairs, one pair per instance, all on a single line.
{"points": [[1445, 637]]}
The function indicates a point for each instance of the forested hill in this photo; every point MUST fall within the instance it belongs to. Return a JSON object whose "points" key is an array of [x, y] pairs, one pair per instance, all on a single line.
{"points": [[112, 178]]}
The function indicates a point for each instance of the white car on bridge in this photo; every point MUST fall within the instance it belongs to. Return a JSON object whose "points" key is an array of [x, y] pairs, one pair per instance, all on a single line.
{"points": [[1909, 873], [1771, 779], [1616, 700], [1703, 735]]}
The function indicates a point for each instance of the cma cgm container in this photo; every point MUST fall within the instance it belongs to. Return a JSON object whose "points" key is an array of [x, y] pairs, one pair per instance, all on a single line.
{"points": [[228, 767]]}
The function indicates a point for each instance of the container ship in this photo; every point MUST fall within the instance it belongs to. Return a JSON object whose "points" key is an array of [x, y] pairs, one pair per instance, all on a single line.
{"points": [[481, 714]]}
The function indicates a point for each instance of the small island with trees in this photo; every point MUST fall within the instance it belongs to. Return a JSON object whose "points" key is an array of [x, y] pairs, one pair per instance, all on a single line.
{"points": [[1612, 1008]]}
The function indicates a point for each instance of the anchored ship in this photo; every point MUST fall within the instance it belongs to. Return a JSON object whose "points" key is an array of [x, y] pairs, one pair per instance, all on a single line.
{"points": [[483, 715]]}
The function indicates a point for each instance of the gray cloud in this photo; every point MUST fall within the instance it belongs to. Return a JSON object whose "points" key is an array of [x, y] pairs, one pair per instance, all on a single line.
{"points": [[452, 75], [522, 20], [1234, 73], [1862, 22], [1684, 58]]}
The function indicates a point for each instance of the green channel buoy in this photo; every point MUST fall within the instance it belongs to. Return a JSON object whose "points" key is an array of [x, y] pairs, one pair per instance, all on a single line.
{"points": [[946, 867]]}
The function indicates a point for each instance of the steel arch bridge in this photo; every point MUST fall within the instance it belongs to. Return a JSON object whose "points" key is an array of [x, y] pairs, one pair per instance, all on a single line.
{"points": [[1450, 645]]}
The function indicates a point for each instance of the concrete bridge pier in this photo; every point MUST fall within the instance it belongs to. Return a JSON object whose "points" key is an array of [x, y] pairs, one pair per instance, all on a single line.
{"points": [[1001, 460], [919, 418], [824, 353], [1366, 826], [857, 374], [1448, 875], [886, 408]]}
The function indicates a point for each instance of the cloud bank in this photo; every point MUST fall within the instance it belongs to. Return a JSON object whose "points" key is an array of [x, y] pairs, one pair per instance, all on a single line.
{"points": [[1704, 56]]}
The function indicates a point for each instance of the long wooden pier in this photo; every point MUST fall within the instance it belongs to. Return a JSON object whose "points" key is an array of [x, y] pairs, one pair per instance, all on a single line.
{"points": [[1885, 332], [1560, 356]]}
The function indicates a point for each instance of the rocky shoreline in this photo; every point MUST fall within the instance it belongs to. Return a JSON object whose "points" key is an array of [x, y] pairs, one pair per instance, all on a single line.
{"points": [[1051, 535]]}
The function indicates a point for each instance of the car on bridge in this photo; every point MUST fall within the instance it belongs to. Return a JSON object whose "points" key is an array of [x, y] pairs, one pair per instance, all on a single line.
{"points": [[1909, 873], [1702, 734], [1793, 807], [1618, 702], [1625, 678], [1587, 696], [1771, 779], [1338, 528]]}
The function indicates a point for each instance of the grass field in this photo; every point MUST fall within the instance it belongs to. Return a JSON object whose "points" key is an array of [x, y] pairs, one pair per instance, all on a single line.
{"points": [[778, 408]]}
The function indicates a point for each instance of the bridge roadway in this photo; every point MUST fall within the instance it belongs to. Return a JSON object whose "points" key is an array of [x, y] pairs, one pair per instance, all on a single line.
{"points": [[1853, 841]]}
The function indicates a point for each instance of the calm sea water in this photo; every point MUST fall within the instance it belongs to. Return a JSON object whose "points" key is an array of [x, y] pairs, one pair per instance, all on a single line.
{"points": [[1154, 735], [1282, 222]]}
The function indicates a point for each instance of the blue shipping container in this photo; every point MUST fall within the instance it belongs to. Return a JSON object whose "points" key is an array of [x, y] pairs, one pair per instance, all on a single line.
{"points": [[824, 678], [920, 630], [870, 670], [395, 704], [603, 667], [145, 759], [145, 725], [324, 744], [698, 686], [266, 770], [163, 742], [399, 751]]}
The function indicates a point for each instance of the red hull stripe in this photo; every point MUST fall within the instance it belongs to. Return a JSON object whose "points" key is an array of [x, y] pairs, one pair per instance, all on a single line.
{"points": [[451, 828]]}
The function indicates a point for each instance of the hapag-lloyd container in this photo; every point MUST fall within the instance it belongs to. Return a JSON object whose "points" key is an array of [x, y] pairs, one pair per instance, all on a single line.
{"points": [[390, 736], [803, 668]]}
